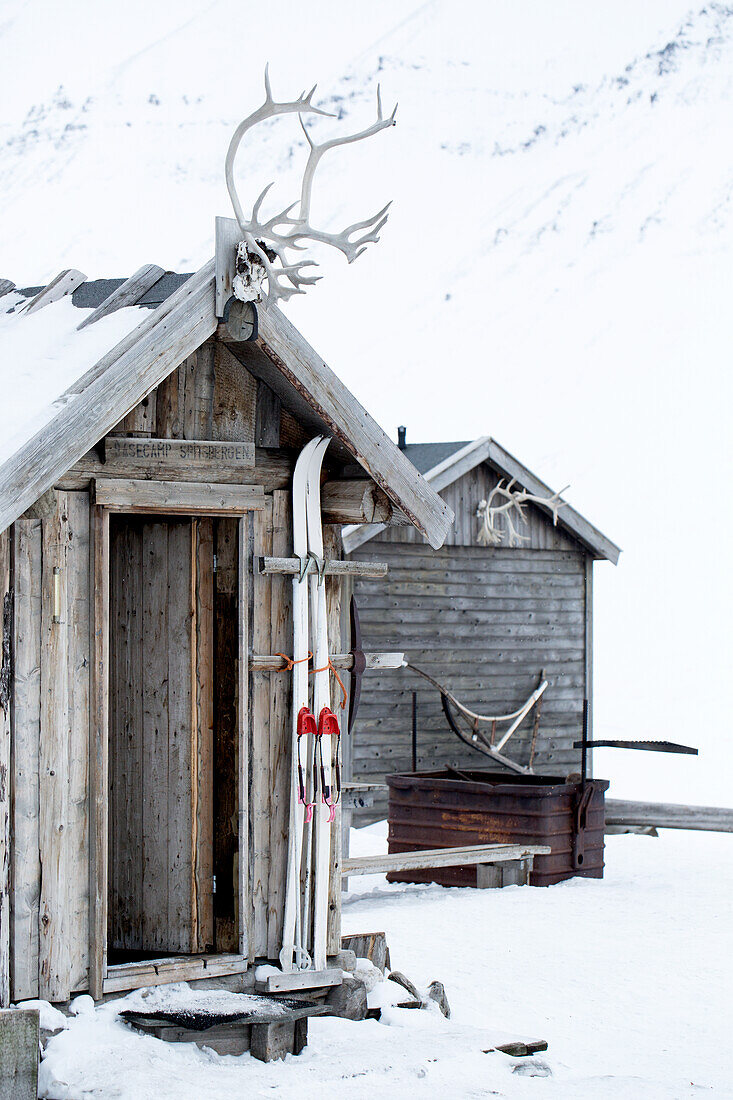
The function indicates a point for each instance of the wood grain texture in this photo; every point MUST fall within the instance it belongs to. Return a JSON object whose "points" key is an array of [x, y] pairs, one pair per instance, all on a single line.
{"points": [[244, 602], [358, 501], [203, 675], [55, 738], [260, 779], [26, 717], [281, 614], [234, 398], [484, 622], [78, 609], [267, 421], [160, 737], [99, 754], [273, 468], [177, 497], [441, 857], [5, 794]]}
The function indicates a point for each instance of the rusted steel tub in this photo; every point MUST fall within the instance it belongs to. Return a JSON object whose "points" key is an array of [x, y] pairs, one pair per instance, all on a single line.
{"points": [[443, 810]]}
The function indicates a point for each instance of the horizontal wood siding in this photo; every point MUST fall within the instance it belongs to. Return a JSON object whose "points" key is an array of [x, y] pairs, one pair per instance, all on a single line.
{"points": [[484, 622]]}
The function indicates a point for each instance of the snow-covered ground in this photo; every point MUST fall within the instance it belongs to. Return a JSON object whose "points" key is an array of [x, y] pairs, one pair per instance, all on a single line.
{"points": [[627, 978]]}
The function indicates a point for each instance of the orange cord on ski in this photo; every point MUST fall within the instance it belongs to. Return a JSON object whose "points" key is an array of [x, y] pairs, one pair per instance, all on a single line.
{"points": [[290, 663], [334, 670]]}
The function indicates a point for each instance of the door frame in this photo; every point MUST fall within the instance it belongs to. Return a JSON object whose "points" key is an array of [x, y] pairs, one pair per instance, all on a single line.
{"points": [[175, 500]]}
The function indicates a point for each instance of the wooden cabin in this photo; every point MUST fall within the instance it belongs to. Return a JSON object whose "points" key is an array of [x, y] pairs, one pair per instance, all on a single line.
{"points": [[483, 621], [145, 469]]}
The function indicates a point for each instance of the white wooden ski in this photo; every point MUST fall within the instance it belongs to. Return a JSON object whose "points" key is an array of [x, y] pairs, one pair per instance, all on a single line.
{"points": [[294, 954], [323, 810]]}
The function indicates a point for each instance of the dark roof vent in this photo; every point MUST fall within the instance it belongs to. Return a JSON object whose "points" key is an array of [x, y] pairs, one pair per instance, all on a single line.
{"points": [[401, 437]]}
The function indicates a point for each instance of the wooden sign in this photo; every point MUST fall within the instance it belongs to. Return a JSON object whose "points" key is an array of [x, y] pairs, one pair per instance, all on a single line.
{"points": [[179, 453]]}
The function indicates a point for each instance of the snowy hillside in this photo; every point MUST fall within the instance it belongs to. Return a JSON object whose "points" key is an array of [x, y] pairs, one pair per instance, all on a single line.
{"points": [[556, 269]]}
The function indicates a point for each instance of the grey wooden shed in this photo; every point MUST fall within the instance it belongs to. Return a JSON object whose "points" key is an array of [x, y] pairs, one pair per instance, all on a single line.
{"points": [[484, 621]]}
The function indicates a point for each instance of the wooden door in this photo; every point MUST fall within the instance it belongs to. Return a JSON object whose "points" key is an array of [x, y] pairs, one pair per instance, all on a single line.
{"points": [[160, 729]]}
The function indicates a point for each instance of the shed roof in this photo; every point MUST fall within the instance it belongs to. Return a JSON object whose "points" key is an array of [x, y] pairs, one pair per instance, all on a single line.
{"points": [[74, 376], [444, 463]]}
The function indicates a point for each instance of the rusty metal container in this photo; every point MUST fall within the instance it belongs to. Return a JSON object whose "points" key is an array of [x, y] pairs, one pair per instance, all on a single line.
{"points": [[442, 810]]}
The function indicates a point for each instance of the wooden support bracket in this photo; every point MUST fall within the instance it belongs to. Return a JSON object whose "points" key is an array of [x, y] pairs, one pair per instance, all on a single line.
{"points": [[273, 662], [291, 566]]}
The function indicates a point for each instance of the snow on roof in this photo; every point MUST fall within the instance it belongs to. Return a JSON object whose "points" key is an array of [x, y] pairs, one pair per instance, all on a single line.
{"points": [[42, 355]]}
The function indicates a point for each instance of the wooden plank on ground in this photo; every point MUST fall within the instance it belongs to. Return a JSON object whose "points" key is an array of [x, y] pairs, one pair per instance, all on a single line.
{"points": [[440, 857], [25, 861], [177, 497], [669, 815], [127, 294], [300, 980], [55, 736]]}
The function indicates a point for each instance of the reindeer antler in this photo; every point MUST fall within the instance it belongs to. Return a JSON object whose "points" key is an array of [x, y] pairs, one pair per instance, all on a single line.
{"points": [[514, 502], [266, 242]]}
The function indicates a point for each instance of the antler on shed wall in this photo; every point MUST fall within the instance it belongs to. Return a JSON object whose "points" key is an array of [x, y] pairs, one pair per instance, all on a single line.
{"points": [[514, 502], [268, 241]]}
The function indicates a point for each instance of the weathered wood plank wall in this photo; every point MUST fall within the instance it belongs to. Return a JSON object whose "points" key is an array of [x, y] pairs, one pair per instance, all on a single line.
{"points": [[484, 621], [58, 888], [6, 597], [25, 856]]}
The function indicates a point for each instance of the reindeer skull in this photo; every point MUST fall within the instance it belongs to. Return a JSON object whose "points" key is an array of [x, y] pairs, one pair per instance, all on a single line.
{"points": [[262, 254]]}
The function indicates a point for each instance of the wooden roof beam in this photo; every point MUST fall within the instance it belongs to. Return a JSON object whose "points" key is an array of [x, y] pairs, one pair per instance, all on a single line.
{"points": [[128, 293], [352, 426], [108, 392]]}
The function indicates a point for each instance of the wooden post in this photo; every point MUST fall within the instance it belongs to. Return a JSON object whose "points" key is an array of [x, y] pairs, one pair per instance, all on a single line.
{"points": [[19, 1043], [5, 727], [98, 754], [260, 785], [246, 939], [280, 734], [25, 856], [54, 757]]}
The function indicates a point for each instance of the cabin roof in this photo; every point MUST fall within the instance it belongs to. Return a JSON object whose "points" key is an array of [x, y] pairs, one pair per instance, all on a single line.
{"points": [[80, 354], [442, 464]]}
